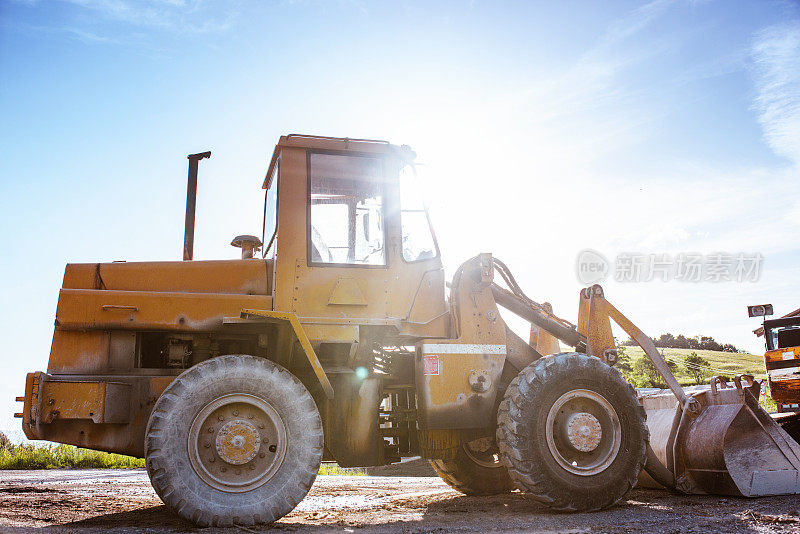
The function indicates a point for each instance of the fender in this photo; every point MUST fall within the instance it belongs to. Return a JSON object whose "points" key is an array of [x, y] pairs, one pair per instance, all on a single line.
{"points": [[269, 316]]}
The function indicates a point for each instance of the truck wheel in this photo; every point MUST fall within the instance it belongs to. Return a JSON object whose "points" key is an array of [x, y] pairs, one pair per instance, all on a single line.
{"points": [[476, 469], [572, 432], [234, 440]]}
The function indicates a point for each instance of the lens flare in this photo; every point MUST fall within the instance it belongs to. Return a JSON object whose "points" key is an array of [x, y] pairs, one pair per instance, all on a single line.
{"points": [[362, 373]]}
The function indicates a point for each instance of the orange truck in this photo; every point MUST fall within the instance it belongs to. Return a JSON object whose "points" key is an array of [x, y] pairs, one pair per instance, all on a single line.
{"points": [[340, 341]]}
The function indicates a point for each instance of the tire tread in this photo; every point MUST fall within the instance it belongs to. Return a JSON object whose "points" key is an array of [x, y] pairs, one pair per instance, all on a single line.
{"points": [[513, 441], [281, 501]]}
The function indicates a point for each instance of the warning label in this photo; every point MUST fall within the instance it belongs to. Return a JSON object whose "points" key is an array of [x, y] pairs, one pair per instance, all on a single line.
{"points": [[430, 364]]}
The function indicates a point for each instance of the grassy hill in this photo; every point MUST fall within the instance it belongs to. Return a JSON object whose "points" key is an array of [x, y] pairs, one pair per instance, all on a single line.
{"points": [[721, 363]]}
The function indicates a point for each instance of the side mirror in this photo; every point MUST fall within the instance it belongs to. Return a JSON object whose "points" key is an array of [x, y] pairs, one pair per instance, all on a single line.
{"points": [[759, 310]]}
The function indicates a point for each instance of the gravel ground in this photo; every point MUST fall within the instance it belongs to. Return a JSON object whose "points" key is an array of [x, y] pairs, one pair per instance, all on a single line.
{"points": [[122, 501]]}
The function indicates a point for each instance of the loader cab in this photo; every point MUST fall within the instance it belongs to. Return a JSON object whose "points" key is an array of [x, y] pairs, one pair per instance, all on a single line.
{"points": [[351, 237], [782, 333]]}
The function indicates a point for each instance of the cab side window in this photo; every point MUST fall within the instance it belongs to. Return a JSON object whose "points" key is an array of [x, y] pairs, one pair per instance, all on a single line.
{"points": [[270, 227], [346, 210]]}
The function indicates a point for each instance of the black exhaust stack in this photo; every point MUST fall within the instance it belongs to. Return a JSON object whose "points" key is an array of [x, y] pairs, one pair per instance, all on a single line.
{"points": [[191, 202]]}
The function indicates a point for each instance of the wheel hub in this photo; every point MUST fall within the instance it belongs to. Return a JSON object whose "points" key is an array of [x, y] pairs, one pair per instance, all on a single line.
{"points": [[238, 442], [584, 432]]}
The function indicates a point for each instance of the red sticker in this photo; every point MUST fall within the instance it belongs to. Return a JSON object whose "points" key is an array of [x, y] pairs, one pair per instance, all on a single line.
{"points": [[430, 364]]}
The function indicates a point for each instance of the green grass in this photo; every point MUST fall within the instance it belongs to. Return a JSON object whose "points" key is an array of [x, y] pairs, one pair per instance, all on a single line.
{"points": [[52, 456], [727, 364], [724, 363], [330, 468]]}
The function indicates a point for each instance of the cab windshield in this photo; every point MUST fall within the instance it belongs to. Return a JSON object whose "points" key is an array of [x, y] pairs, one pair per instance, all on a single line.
{"points": [[783, 337], [419, 242]]}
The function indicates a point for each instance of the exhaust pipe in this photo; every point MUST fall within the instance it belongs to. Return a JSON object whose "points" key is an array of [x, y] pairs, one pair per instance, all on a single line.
{"points": [[191, 203]]}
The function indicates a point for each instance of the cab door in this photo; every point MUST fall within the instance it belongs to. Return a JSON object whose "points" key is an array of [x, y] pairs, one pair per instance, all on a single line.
{"points": [[334, 236], [342, 256]]}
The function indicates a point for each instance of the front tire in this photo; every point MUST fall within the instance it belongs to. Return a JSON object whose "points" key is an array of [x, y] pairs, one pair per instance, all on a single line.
{"points": [[234, 440], [572, 432]]}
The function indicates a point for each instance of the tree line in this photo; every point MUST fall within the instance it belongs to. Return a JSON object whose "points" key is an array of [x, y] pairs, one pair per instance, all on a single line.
{"points": [[669, 341], [643, 374]]}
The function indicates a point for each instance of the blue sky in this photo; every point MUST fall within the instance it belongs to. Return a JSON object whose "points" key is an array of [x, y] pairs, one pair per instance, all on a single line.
{"points": [[545, 128]]}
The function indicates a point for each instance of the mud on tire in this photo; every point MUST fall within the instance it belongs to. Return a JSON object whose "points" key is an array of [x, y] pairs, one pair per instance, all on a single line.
{"points": [[234, 440], [568, 467], [475, 472]]}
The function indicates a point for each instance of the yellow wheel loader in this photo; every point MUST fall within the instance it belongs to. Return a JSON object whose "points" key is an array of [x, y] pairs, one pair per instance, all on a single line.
{"points": [[339, 341]]}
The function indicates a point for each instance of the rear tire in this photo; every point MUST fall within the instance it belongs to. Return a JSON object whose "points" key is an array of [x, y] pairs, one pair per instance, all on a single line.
{"points": [[234, 440], [476, 469], [572, 432]]}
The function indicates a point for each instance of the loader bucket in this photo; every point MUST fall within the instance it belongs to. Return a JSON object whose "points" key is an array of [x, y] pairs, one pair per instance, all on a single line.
{"points": [[722, 442]]}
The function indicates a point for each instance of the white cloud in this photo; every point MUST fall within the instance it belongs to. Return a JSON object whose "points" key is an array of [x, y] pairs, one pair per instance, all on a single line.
{"points": [[180, 16], [89, 37], [776, 59], [635, 21], [541, 199]]}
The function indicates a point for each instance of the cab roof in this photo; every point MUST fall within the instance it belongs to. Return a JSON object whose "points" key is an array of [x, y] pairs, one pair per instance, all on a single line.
{"points": [[342, 144]]}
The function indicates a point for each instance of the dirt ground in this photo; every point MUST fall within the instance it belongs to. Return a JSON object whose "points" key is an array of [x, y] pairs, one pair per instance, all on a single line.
{"points": [[122, 501]]}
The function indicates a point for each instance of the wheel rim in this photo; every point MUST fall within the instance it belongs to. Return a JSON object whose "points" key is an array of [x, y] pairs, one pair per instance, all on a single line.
{"points": [[483, 451], [237, 442], [583, 432]]}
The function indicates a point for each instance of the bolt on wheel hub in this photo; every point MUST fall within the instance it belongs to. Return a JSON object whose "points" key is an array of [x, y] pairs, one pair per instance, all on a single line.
{"points": [[584, 431], [238, 442]]}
